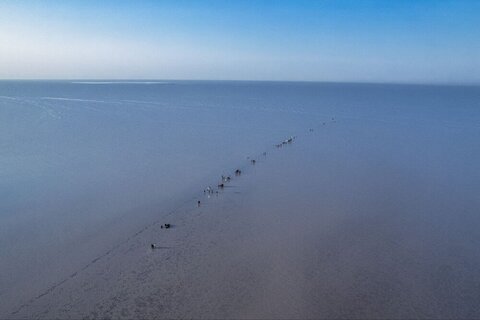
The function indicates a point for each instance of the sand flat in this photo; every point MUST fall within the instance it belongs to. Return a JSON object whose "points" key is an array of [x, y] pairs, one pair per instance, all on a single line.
{"points": [[318, 229]]}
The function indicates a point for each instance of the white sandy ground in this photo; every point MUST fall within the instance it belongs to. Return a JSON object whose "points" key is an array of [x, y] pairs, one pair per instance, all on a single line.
{"points": [[318, 229]]}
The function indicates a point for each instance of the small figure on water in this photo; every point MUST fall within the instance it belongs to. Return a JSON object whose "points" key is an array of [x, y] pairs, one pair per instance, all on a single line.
{"points": [[198, 203], [238, 172], [253, 161], [208, 190]]}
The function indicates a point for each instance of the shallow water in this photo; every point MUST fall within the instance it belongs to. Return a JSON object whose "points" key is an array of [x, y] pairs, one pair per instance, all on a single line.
{"points": [[86, 165]]}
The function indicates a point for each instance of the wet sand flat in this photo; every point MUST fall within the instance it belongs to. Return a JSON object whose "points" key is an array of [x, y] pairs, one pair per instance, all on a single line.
{"points": [[349, 221]]}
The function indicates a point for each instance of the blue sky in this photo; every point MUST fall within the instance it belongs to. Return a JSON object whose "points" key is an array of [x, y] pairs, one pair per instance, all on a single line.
{"points": [[368, 41]]}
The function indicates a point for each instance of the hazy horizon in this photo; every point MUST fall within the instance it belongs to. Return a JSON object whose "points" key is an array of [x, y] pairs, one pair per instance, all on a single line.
{"points": [[158, 80], [417, 42]]}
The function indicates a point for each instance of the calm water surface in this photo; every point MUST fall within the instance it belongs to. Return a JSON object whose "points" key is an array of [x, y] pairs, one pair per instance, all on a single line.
{"points": [[84, 165]]}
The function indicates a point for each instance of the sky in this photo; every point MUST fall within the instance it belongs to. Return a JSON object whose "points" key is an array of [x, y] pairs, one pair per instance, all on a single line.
{"points": [[423, 41]]}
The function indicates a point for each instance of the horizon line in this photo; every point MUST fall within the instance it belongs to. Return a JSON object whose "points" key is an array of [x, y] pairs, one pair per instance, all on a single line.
{"points": [[133, 80]]}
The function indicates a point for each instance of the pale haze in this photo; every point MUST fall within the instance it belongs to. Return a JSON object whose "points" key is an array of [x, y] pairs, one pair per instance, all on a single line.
{"points": [[360, 41]]}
